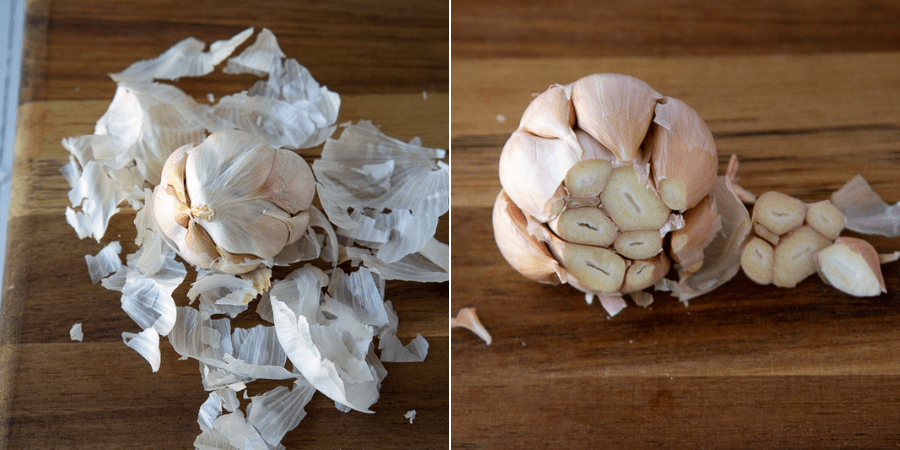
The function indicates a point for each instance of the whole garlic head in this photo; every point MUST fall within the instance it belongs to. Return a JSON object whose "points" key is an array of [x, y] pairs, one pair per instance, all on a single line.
{"points": [[233, 202], [597, 174]]}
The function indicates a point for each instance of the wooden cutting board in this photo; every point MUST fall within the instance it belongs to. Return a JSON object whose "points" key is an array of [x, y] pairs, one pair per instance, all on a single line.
{"points": [[806, 104], [389, 63]]}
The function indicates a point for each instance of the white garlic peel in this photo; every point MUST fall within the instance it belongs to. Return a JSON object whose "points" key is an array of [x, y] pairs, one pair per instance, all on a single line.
{"points": [[232, 203], [596, 176], [402, 191]]}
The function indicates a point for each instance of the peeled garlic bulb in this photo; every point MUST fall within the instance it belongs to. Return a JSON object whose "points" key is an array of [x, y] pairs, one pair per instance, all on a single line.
{"points": [[233, 202], [598, 173]]}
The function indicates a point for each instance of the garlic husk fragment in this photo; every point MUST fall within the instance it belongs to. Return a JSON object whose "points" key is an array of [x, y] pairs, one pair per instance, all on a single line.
{"points": [[232, 202], [147, 298], [864, 209], [851, 265], [329, 337], [468, 319], [385, 198], [184, 59], [105, 262], [596, 177], [146, 343], [75, 332]]}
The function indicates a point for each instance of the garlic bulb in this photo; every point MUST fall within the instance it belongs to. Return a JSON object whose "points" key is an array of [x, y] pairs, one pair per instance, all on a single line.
{"points": [[597, 175], [233, 202]]}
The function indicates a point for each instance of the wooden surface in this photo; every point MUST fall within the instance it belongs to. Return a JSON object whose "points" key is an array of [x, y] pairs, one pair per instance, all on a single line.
{"points": [[56, 393], [806, 96]]}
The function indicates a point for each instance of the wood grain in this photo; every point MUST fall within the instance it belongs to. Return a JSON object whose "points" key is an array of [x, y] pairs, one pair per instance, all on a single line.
{"points": [[746, 366], [681, 27], [56, 393]]}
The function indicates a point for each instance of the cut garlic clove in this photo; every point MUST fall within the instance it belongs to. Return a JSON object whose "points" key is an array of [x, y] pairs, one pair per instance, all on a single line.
{"points": [[682, 154], [532, 170], [632, 205], [641, 244], [589, 226], [598, 269], [522, 251], [616, 110], [779, 213], [794, 256], [825, 218], [644, 274], [587, 178], [758, 261], [851, 265]]}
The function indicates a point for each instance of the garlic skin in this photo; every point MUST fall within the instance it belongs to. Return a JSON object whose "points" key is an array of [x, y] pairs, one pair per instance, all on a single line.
{"points": [[233, 202], [597, 175]]}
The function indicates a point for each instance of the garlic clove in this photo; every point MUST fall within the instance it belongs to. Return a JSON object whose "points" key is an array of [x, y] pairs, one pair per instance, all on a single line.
{"points": [[551, 115], [290, 184], [631, 204], [645, 273], [682, 154], [229, 166], [640, 244], [851, 265], [794, 256], [701, 224], [616, 110], [758, 261], [588, 225], [825, 218], [779, 213], [587, 178], [532, 170], [598, 269], [522, 251], [254, 227], [593, 149]]}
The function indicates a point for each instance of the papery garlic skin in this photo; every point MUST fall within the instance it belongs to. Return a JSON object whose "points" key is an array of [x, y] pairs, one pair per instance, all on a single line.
{"points": [[597, 174], [233, 202]]}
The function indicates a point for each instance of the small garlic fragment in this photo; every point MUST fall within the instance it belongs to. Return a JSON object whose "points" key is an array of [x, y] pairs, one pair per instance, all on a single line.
{"points": [[232, 202], [851, 265]]}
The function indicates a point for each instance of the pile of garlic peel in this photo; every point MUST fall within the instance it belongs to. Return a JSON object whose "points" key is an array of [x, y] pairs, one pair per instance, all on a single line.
{"points": [[608, 186], [216, 186]]}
